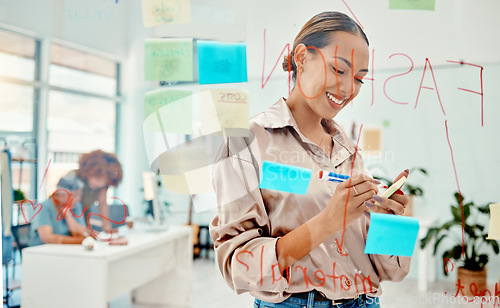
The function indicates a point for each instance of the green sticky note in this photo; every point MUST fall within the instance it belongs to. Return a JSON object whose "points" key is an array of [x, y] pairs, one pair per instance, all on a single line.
{"points": [[169, 111], [425, 5], [168, 59], [155, 100]]}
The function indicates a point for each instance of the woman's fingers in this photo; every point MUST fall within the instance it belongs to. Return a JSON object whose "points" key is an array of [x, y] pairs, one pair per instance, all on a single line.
{"points": [[363, 188], [388, 205], [403, 199], [405, 173], [359, 179]]}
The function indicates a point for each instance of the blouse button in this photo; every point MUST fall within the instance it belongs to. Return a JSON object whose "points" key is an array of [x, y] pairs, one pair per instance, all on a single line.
{"points": [[342, 251], [347, 282]]}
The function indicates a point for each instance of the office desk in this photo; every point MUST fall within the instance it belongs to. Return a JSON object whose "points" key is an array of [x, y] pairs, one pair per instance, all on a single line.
{"points": [[155, 266]]}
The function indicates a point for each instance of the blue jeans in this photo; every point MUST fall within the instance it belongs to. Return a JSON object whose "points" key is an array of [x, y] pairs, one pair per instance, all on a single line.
{"points": [[293, 302]]}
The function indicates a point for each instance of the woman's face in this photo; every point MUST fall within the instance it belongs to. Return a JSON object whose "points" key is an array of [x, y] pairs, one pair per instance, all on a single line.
{"points": [[346, 62], [97, 182]]}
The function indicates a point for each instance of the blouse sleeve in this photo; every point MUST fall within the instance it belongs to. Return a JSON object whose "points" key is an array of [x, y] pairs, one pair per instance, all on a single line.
{"points": [[245, 251]]}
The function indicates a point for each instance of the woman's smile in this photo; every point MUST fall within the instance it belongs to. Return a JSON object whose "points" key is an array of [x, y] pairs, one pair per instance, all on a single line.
{"points": [[335, 103]]}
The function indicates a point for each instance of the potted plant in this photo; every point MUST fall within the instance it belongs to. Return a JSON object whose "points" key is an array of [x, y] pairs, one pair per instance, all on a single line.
{"points": [[472, 272], [410, 190]]}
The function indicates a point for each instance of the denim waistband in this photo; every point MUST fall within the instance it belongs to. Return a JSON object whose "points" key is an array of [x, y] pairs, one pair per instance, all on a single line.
{"points": [[313, 301]]}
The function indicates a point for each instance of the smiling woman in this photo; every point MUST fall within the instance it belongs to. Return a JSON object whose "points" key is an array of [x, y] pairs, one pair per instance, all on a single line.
{"points": [[266, 238]]}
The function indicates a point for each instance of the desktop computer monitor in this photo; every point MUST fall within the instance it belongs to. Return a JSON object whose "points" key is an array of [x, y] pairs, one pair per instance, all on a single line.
{"points": [[151, 188]]}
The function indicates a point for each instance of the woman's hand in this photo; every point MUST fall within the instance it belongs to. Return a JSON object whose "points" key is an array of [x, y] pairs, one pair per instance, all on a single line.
{"points": [[395, 204], [348, 199]]}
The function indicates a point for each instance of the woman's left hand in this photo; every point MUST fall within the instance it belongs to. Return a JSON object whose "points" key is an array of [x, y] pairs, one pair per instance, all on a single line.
{"points": [[395, 204]]}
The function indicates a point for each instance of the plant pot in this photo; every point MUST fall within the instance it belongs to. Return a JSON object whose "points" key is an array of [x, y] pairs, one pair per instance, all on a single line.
{"points": [[409, 207], [474, 282]]}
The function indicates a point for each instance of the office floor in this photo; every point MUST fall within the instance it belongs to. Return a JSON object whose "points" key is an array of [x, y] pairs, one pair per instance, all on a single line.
{"points": [[210, 291]]}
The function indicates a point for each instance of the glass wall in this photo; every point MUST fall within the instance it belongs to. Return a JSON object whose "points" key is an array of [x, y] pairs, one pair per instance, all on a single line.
{"points": [[76, 100]]}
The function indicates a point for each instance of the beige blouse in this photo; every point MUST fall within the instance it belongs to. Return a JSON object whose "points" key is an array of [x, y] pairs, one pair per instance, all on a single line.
{"points": [[250, 220]]}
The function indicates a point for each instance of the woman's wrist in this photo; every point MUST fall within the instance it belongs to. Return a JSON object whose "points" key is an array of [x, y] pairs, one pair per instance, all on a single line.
{"points": [[327, 221]]}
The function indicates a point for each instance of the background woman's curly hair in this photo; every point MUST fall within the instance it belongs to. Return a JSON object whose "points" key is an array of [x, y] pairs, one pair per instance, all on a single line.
{"points": [[99, 163]]}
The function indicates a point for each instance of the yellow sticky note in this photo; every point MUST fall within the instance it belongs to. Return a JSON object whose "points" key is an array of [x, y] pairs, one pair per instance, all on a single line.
{"points": [[209, 120], [224, 109], [176, 183], [494, 228], [185, 171], [160, 12], [199, 181]]}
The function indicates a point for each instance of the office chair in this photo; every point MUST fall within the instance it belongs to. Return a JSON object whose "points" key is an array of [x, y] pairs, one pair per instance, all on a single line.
{"points": [[21, 236]]}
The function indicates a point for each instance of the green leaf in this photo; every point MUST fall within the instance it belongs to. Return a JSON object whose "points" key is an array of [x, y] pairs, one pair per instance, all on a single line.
{"points": [[458, 198], [467, 210], [437, 243], [470, 231], [494, 245], [457, 213], [450, 224], [428, 237], [484, 209]]}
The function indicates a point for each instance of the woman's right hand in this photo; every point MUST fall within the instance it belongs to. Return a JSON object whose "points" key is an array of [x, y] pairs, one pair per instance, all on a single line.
{"points": [[349, 202]]}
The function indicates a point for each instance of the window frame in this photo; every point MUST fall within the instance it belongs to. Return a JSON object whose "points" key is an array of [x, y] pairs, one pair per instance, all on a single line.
{"points": [[42, 87]]}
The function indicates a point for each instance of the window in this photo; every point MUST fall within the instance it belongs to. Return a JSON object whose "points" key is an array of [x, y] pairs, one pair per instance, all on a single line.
{"points": [[77, 70], [16, 103], [81, 108], [81, 103], [18, 90], [17, 55]]}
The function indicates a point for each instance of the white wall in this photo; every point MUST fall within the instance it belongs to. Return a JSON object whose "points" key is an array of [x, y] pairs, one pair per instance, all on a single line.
{"points": [[98, 24]]}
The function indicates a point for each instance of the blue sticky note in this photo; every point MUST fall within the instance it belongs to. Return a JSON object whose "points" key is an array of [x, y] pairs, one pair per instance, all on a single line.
{"points": [[285, 178], [391, 235], [221, 62]]}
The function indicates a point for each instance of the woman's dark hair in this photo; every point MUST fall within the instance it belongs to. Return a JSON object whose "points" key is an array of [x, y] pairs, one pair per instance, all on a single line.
{"points": [[99, 163], [318, 31]]}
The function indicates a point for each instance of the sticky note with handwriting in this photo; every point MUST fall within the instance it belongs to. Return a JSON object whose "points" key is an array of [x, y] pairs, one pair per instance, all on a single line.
{"points": [[494, 227], [160, 12], [155, 100], [391, 235], [221, 62], [169, 59], [287, 178], [169, 111], [425, 5], [224, 109]]}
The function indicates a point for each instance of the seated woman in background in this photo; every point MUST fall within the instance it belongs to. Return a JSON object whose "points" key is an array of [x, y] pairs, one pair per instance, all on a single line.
{"points": [[55, 223], [99, 170]]}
